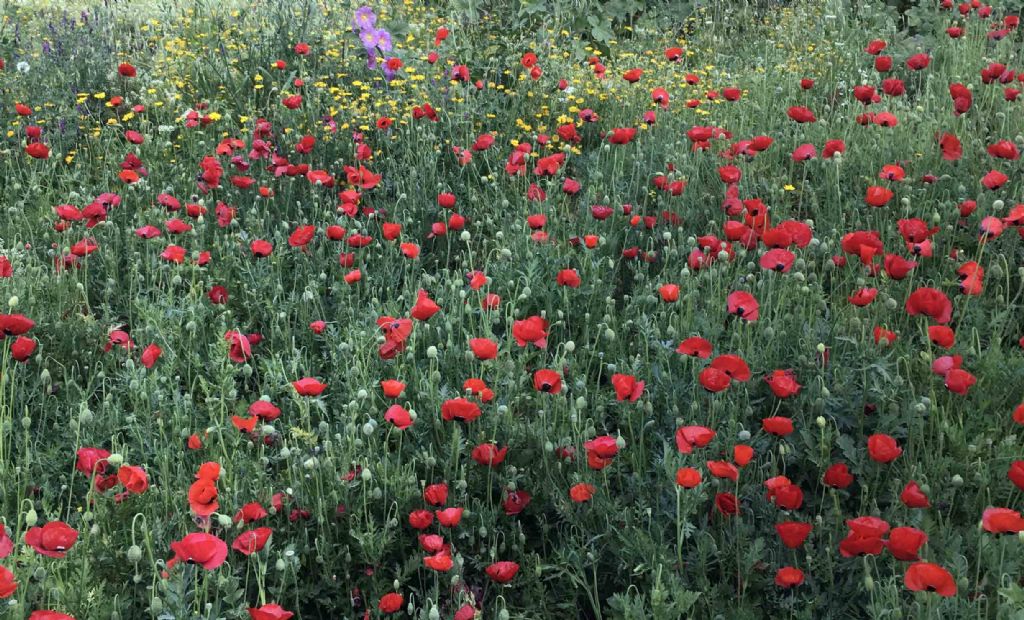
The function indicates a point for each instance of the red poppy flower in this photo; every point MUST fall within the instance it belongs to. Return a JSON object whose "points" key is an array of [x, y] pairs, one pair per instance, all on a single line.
{"points": [[436, 494], [723, 469], [801, 114], [878, 196], [202, 497], [669, 292], [273, 611], [424, 307], [53, 539], [37, 150], [992, 180], [449, 517], [489, 455], [627, 387], [547, 381], [441, 562], [1015, 474], [930, 302], [695, 346], [883, 448], [783, 493], [420, 519], [788, 577], [308, 386], [390, 603], [913, 497], [532, 330], [91, 461], [515, 502], [713, 379], [133, 478], [690, 437], [744, 305], [864, 538], [460, 409], [483, 348], [863, 297], [688, 477], [568, 277], [928, 577], [502, 572], [959, 381], [950, 146], [252, 541], [399, 416], [783, 383], [905, 542], [777, 259], [392, 388], [793, 533], [742, 454], [732, 365], [251, 512], [1002, 521], [582, 492], [777, 425], [7, 583], [199, 548], [726, 504]]}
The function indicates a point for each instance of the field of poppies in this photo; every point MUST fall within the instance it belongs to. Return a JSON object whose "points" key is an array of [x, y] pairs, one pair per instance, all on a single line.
{"points": [[434, 310]]}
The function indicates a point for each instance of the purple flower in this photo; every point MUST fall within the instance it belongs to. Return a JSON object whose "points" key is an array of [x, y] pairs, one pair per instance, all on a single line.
{"points": [[365, 18], [384, 40], [369, 38]]}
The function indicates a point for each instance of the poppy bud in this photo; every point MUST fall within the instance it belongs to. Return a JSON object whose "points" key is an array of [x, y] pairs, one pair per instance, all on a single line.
{"points": [[134, 553], [26, 423], [31, 517], [115, 459], [366, 475], [820, 421]]}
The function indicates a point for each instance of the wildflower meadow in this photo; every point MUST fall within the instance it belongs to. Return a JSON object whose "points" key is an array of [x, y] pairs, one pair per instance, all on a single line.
{"points": [[530, 309]]}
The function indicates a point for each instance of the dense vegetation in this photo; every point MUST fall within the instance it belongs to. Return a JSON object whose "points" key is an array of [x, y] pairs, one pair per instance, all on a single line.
{"points": [[548, 309]]}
